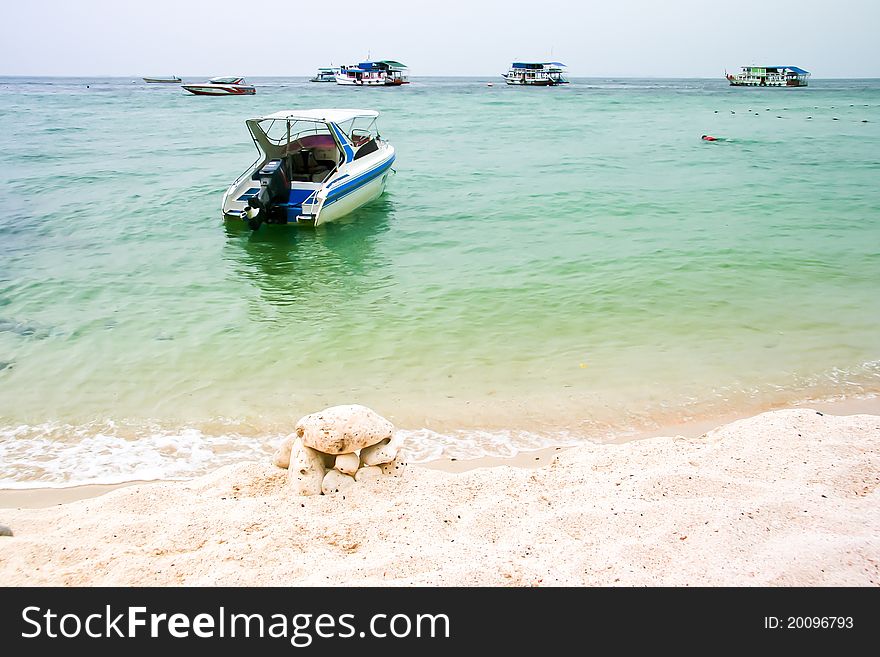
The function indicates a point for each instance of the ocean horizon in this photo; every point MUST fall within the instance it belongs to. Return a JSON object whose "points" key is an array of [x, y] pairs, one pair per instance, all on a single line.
{"points": [[300, 76]]}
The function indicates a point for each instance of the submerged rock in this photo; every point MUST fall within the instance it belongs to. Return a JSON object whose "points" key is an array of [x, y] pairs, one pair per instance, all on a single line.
{"points": [[343, 429], [24, 329]]}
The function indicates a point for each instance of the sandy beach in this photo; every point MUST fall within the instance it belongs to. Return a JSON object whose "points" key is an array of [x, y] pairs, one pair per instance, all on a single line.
{"points": [[785, 498]]}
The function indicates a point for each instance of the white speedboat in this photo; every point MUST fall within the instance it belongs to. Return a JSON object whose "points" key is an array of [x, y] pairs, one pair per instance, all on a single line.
{"points": [[325, 74], [314, 166], [769, 76], [383, 73], [536, 74], [228, 86], [173, 79]]}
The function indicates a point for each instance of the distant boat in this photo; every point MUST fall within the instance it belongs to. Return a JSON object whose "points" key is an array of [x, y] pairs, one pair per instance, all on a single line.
{"points": [[228, 86], [769, 76], [169, 80], [383, 73], [536, 74], [326, 74]]}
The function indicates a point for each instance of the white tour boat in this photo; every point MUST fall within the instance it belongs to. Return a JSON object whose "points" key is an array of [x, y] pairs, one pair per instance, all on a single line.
{"points": [[537, 74], [228, 86], [384, 73], [769, 76], [314, 166]]}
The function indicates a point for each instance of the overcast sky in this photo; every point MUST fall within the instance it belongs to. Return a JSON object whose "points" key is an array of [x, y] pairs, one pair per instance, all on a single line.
{"points": [[663, 38]]}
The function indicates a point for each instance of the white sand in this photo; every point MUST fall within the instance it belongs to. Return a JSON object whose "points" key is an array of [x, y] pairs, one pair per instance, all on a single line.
{"points": [[785, 498]]}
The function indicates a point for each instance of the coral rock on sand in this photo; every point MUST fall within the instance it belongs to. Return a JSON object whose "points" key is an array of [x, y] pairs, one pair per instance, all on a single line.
{"points": [[281, 457], [392, 468], [335, 481], [368, 473], [347, 463], [306, 471], [5, 531], [324, 457], [343, 429], [383, 452]]}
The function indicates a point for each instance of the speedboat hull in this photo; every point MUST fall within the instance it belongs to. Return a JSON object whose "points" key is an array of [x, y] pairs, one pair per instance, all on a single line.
{"points": [[346, 201], [344, 193], [220, 89], [311, 171]]}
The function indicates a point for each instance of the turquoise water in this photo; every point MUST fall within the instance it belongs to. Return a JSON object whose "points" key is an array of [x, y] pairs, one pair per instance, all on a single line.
{"points": [[546, 266]]}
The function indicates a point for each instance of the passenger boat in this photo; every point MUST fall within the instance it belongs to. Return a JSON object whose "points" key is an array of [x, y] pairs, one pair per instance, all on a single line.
{"points": [[325, 74], [229, 86], [170, 80], [314, 166], [536, 74], [769, 76], [384, 73]]}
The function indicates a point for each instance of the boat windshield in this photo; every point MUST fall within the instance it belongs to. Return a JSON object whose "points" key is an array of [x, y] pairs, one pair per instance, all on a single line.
{"points": [[227, 80], [280, 131], [360, 129]]}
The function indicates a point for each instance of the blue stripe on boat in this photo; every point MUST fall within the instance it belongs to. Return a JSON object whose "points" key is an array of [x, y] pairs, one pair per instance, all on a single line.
{"points": [[353, 185], [346, 145]]}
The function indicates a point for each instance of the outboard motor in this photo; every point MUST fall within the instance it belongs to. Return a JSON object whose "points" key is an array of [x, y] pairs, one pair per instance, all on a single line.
{"points": [[274, 190]]}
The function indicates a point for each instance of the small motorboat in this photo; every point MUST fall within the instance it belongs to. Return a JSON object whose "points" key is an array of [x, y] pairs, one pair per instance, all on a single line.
{"points": [[229, 86], [314, 166], [325, 74], [173, 79]]}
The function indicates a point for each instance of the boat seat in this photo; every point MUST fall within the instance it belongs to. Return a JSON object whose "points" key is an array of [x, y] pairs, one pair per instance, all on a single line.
{"points": [[368, 147], [305, 168]]}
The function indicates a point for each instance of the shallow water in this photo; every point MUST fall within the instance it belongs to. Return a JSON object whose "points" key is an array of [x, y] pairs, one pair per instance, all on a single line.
{"points": [[546, 266]]}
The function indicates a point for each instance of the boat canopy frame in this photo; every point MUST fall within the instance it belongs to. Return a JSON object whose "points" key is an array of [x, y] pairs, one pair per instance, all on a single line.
{"points": [[274, 147]]}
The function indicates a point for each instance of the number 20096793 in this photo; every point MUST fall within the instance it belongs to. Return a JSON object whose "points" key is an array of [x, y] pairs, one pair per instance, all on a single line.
{"points": [[808, 622]]}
